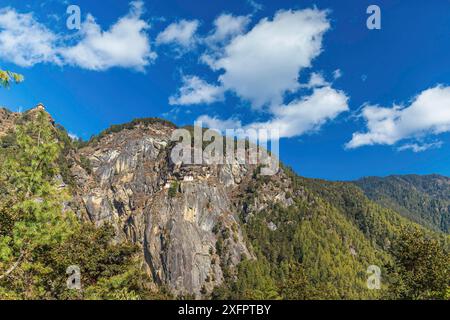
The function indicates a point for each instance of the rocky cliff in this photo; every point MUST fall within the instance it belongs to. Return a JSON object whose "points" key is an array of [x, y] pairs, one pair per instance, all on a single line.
{"points": [[225, 231], [176, 213], [7, 120]]}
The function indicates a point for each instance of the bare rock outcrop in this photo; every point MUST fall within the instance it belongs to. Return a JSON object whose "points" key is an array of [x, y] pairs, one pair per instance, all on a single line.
{"points": [[176, 213]]}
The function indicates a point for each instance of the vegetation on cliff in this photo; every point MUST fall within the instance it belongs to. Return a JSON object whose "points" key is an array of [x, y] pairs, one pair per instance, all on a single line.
{"points": [[317, 247], [40, 237]]}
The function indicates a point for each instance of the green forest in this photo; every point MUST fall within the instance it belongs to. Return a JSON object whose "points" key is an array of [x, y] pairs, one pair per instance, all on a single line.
{"points": [[321, 247]]}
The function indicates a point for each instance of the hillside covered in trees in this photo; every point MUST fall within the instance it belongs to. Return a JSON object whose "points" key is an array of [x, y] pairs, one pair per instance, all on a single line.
{"points": [[131, 221], [423, 199]]}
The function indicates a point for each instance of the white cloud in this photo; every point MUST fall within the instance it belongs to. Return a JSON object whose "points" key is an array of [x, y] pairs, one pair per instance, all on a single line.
{"points": [[296, 118], [125, 44], [428, 114], [264, 64], [219, 124], [415, 147], [255, 5], [226, 27], [195, 91], [306, 114], [73, 136], [26, 42], [180, 33], [316, 80], [337, 74]]}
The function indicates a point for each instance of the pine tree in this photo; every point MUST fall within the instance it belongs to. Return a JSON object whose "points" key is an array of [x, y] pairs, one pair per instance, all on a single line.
{"points": [[31, 206], [6, 77], [40, 239], [421, 268], [295, 285]]}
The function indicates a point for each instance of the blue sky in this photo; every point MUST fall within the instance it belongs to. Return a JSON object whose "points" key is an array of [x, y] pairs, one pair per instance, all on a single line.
{"points": [[379, 103]]}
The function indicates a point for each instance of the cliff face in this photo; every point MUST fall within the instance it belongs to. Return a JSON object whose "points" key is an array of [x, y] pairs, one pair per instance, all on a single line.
{"points": [[7, 120], [195, 223], [175, 213]]}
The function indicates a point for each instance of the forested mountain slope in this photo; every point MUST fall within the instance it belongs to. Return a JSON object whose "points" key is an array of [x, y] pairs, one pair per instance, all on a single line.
{"points": [[164, 230], [423, 199]]}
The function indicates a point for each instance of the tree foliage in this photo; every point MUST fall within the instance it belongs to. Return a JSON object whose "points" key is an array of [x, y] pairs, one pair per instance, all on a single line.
{"points": [[423, 199], [319, 247], [40, 237], [324, 243], [7, 77], [31, 204], [421, 268]]}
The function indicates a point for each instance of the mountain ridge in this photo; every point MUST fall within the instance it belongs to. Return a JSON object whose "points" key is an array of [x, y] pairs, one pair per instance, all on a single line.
{"points": [[212, 230], [422, 198]]}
